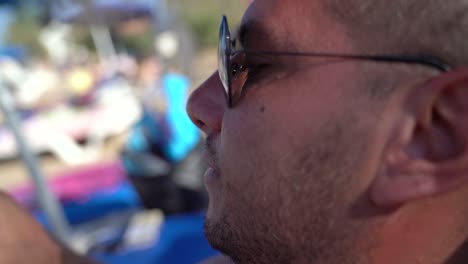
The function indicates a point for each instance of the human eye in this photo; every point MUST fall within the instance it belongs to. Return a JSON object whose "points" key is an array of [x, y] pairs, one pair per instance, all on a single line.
{"points": [[256, 72], [256, 67], [249, 71]]}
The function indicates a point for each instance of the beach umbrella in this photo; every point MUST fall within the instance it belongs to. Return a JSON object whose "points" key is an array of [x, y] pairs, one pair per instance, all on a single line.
{"points": [[101, 12], [99, 16]]}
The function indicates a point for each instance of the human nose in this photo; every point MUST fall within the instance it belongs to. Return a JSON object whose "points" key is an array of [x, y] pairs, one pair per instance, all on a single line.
{"points": [[207, 104]]}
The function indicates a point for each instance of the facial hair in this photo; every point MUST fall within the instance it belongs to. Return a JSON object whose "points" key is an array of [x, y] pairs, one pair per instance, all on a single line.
{"points": [[302, 216]]}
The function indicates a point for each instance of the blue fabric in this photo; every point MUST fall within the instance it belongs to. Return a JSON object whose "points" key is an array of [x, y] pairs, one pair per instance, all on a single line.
{"points": [[147, 132], [98, 205], [15, 52], [175, 134], [102, 203], [184, 134], [181, 242], [136, 140], [181, 239], [9, 2]]}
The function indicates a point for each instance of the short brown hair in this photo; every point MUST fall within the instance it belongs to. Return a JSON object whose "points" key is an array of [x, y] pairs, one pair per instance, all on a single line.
{"points": [[434, 27], [437, 28]]}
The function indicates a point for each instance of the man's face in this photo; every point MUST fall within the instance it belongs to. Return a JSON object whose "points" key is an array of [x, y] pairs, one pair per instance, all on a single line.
{"points": [[291, 158]]}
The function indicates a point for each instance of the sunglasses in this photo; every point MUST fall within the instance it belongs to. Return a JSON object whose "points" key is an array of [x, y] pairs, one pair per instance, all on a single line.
{"points": [[231, 69]]}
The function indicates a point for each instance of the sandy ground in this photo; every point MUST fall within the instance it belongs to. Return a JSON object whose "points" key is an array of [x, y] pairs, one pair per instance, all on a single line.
{"points": [[13, 173]]}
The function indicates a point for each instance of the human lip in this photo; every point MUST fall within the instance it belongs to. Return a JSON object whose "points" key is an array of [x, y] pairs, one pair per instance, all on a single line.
{"points": [[211, 176], [211, 164]]}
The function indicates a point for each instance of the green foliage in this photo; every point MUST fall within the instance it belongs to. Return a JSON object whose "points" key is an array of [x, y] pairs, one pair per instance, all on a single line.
{"points": [[204, 27], [203, 17], [25, 31], [140, 45], [82, 36]]}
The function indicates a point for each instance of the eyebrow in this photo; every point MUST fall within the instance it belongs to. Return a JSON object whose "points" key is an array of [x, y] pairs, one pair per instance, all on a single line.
{"points": [[252, 27], [242, 34]]}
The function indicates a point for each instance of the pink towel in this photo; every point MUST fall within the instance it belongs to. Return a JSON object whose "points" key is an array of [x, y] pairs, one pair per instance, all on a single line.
{"points": [[76, 185]]}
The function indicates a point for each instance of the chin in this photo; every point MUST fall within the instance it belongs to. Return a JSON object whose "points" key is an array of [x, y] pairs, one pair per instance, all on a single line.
{"points": [[216, 232], [215, 225]]}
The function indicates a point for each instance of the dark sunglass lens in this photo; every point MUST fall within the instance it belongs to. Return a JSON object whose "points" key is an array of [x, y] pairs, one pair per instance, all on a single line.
{"points": [[223, 54]]}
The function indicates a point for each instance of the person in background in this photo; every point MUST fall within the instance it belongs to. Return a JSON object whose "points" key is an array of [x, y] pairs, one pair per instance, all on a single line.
{"points": [[164, 149]]}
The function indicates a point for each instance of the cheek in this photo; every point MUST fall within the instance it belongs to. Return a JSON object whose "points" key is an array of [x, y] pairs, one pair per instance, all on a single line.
{"points": [[247, 150], [267, 136], [270, 129]]}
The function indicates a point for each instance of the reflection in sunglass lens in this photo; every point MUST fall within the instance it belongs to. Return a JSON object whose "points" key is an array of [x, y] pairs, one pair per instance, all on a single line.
{"points": [[223, 54]]}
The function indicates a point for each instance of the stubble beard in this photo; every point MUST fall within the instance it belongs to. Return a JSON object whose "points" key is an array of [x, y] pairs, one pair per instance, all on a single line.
{"points": [[304, 220]]}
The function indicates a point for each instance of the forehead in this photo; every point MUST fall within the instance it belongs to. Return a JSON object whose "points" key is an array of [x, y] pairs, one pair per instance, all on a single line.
{"points": [[292, 25]]}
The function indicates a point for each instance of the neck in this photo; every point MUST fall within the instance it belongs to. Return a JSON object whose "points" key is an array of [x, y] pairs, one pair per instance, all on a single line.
{"points": [[424, 234]]}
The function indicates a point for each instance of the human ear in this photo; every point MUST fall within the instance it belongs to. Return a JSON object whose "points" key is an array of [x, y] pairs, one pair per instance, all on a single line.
{"points": [[428, 154]]}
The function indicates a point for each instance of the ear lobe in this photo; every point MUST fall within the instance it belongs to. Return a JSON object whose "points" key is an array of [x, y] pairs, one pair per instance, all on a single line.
{"points": [[429, 153], [415, 180]]}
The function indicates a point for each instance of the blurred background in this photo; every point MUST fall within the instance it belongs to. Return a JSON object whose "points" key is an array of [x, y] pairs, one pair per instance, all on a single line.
{"points": [[94, 138]]}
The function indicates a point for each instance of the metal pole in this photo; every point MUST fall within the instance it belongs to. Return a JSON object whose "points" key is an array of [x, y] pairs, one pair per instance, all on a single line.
{"points": [[159, 21], [47, 200], [160, 15], [8, 17], [102, 39]]}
